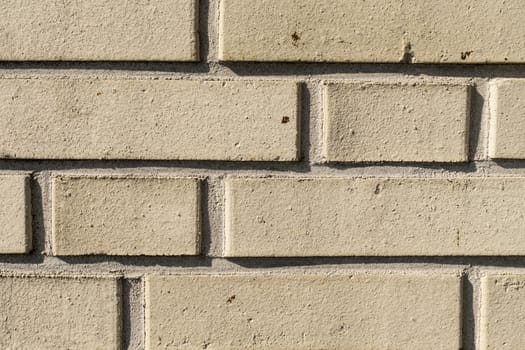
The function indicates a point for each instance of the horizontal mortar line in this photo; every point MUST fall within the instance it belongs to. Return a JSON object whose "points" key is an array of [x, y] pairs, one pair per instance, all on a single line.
{"points": [[202, 263], [106, 65], [280, 68], [438, 70], [113, 262], [466, 261], [42, 165], [485, 167]]}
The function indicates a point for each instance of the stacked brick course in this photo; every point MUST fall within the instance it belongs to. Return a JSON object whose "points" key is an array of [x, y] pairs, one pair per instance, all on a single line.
{"points": [[266, 174]]}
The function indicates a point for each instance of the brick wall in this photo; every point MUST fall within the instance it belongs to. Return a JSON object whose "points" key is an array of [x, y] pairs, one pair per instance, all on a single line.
{"points": [[262, 174]]}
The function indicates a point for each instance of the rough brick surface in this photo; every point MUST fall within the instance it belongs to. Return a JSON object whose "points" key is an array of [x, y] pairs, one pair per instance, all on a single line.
{"points": [[161, 30], [119, 216], [507, 133], [262, 174], [458, 31], [416, 122], [303, 312], [15, 214], [59, 313], [502, 317], [148, 119], [374, 216]]}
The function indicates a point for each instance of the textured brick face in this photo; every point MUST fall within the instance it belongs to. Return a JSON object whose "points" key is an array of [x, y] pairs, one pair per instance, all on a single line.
{"points": [[119, 216], [507, 138], [97, 30], [59, 313], [303, 312], [502, 318], [262, 174], [395, 122], [15, 214], [413, 31], [375, 216], [148, 119]]}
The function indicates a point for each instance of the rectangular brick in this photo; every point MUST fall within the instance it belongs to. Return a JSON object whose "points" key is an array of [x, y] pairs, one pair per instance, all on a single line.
{"points": [[415, 31], [395, 122], [59, 313], [361, 311], [15, 214], [126, 216], [149, 119], [374, 216], [507, 129], [99, 30], [502, 317]]}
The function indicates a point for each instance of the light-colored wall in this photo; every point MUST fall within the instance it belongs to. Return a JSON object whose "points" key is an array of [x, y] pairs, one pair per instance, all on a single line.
{"points": [[267, 174]]}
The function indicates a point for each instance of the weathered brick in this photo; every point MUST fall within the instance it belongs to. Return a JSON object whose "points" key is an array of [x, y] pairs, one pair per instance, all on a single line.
{"points": [[358, 311], [48, 30], [502, 317], [59, 313], [374, 216], [15, 214], [416, 122], [126, 216], [458, 31], [507, 129], [148, 119]]}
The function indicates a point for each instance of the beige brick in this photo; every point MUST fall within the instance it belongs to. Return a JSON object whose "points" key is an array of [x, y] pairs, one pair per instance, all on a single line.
{"points": [[375, 122], [15, 214], [59, 313], [303, 312], [148, 119], [126, 216], [49, 30], [458, 31], [374, 216], [507, 131], [502, 317]]}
